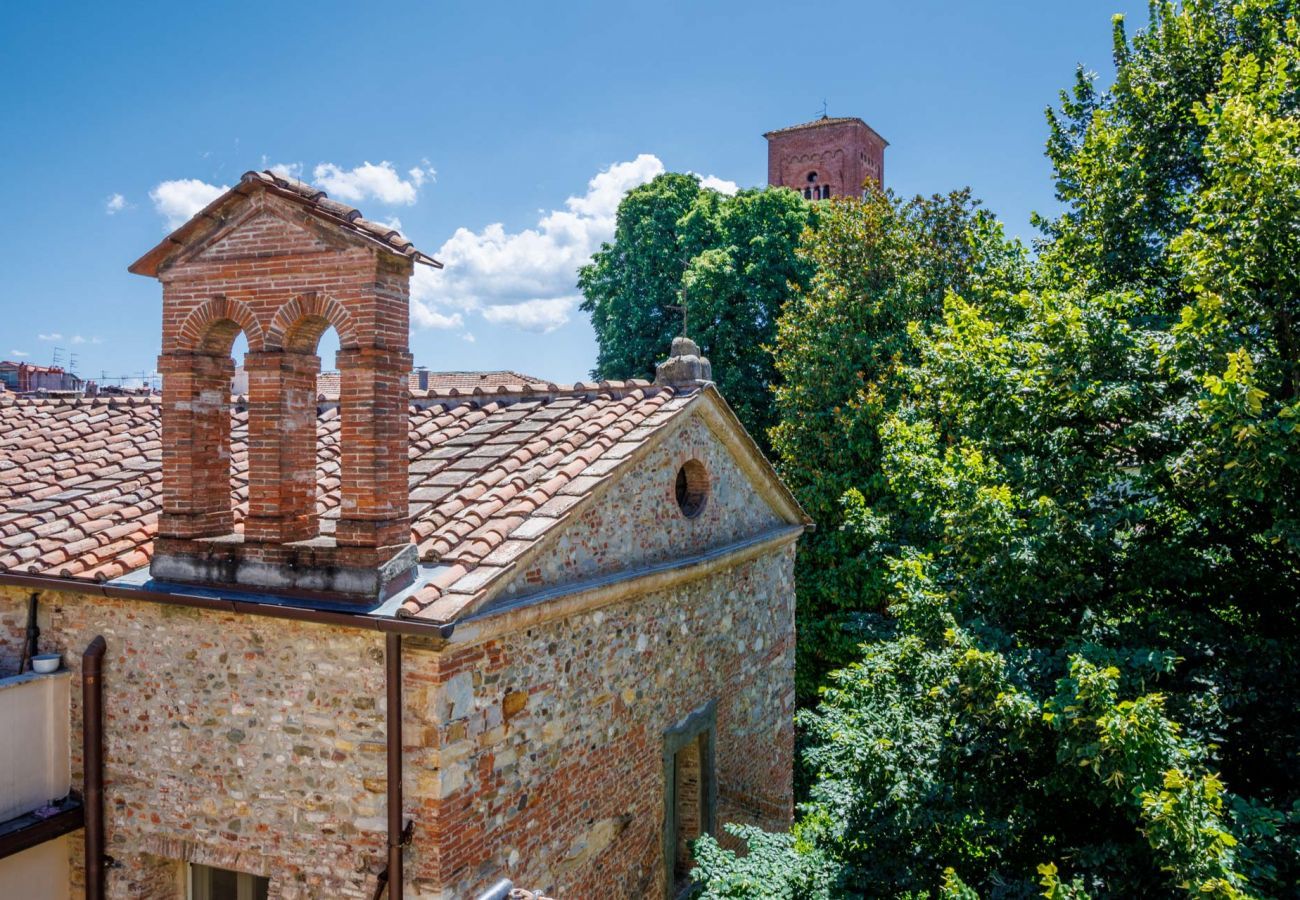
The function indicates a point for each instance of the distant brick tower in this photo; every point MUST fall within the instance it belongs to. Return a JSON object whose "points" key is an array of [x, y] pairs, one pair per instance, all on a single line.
{"points": [[828, 157]]}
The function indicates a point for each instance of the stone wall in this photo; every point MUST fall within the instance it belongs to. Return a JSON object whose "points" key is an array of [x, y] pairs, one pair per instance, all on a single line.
{"points": [[551, 740], [244, 742], [639, 523]]}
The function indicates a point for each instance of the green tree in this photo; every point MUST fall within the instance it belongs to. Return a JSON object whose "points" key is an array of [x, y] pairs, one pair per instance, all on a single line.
{"points": [[631, 285], [880, 263], [730, 260], [1082, 527]]}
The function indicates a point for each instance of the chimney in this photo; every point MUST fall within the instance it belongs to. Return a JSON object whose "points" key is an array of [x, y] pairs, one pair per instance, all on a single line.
{"points": [[281, 263], [685, 367], [422, 378]]}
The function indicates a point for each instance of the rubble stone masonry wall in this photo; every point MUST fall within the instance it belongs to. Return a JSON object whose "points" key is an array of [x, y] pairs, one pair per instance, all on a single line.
{"points": [[639, 523], [551, 766], [244, 742]]}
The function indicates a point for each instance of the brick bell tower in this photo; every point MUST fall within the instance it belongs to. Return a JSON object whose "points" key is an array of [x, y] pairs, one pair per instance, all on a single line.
{"points": [[828, 157], [280, 262]]}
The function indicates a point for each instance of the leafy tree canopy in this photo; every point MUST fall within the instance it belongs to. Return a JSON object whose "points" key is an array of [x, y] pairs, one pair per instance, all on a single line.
{"points": [[729, 260], [1077, 519], [840, 346]]}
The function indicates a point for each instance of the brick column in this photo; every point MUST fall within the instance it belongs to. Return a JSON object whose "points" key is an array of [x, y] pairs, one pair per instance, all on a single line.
{"points": [[195, 445], [281, 446], [374, 444]]}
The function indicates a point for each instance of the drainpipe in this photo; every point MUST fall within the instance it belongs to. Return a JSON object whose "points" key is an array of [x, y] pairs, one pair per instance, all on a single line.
{"points": [[393, 685], [92, 760], [32, 645]]}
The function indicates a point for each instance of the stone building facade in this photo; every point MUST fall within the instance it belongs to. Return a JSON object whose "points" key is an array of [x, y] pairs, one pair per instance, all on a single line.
{"points": [[587, 660], [827, 157]]}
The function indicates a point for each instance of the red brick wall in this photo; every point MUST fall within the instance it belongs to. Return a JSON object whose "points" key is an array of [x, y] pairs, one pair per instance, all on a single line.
{"points": [[283, 277], [843, 155]]}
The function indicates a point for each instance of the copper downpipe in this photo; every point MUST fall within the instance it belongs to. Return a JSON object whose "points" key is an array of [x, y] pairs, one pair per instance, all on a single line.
{"points": [[393, 690], [92, 761]]}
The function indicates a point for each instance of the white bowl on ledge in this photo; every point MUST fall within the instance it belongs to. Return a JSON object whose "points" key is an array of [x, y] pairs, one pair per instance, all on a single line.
{"points": [[45, 663]]}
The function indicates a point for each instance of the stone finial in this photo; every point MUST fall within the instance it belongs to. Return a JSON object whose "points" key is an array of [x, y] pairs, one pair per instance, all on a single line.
{"points": [[685, 366]]}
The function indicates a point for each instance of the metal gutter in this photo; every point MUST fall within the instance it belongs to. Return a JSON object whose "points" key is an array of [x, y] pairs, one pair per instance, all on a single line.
{"points": [[92, 756], [364, 621], [507, 614]]}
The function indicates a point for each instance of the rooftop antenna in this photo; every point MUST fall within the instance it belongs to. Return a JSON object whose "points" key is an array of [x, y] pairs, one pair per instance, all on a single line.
{"points": [[57, 356], [72, 363], [824, 108]]}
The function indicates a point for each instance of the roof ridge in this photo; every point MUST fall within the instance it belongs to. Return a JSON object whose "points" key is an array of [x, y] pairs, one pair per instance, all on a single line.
{"points": [[316, 202], [109, 400], [616, 389]]}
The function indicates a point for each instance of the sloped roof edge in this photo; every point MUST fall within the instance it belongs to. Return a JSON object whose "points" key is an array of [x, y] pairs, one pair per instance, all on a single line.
{"points": [[315, 201], [822, 123]]}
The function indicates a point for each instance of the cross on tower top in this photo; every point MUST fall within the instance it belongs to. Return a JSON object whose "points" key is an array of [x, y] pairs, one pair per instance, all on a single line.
{"points": [[680, 307]]}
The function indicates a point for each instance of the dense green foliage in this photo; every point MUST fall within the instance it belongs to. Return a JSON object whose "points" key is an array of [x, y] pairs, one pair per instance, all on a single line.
{"points": [[1071, 520], [731, 260], [840, 346]]}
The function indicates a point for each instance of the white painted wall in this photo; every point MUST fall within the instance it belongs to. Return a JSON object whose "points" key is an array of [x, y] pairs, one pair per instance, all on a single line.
{"points": [[33, 742], [34, 769]]}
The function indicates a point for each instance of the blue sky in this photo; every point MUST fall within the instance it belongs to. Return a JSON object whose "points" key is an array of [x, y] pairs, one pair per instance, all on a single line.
{"points": [[498, 134]]}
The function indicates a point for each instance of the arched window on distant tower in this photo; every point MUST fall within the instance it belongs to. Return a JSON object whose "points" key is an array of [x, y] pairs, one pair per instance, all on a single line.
{"points": [[815, 191]]}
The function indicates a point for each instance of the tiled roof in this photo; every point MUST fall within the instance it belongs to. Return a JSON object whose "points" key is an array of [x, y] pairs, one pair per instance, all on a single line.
{"points": [[823, 121], [491, 473], [313, 199], [327, 383]]}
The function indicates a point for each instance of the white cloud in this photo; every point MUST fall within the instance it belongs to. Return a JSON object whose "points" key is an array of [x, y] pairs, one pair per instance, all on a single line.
{"points": [[18, 354], [284, 170], [52, 336], [78, 339], [528, 278], [176, 201], [422, 173], [368, 180], [427, 317], [532, 315], [468, 337], [114, 204], [721, 185]]}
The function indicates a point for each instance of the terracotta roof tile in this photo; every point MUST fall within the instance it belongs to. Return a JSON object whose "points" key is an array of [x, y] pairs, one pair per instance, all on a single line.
{"points": [[490, 473]]}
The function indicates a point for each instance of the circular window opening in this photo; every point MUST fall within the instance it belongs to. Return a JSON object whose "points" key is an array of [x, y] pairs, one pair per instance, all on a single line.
{"points": [[692, 488], [812, 177]]}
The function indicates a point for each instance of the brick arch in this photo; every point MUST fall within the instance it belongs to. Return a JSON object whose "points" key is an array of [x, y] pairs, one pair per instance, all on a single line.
{"points": [[304, 319], [213, 325]]}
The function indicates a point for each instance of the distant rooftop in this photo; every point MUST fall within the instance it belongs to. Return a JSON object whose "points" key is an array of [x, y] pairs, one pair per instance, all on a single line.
{"points": [[822, 122], [421, 380]]}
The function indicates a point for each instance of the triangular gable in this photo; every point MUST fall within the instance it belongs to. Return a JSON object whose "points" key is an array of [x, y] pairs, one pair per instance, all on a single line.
{"points": [[629, 518], [272, 230], [216, 217]]}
